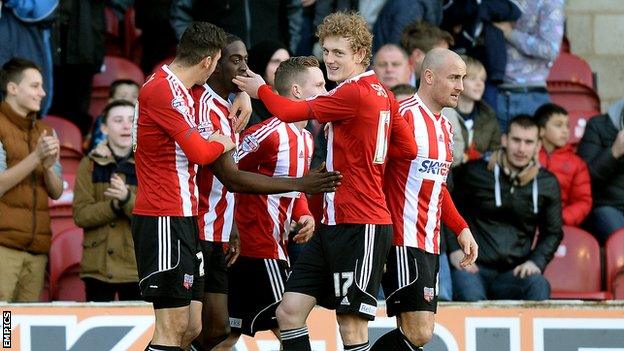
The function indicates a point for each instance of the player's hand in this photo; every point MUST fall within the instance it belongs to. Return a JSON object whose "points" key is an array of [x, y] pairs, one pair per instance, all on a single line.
{"points": [[318, 180], [249, 84], [224, 140], [306, 3], [505, 27], [456, 258], [469, 247], [47, 146], [233, 249], [240, 111], [307, 229], [526, 269]]}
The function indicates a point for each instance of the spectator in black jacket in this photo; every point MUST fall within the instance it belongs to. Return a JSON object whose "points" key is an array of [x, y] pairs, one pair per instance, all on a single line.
{"points": [[602, 147], [504, 201]]}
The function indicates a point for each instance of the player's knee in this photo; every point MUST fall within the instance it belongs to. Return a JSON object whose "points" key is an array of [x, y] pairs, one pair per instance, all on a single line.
{"points": [[418, 334], [286, 315], [173, 327], [352, 328]]}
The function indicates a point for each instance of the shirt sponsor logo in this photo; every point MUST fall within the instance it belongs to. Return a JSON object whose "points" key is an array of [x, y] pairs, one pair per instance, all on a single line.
{"points": [[368, 309], [380, 90], [188, 281], [434, 167]]}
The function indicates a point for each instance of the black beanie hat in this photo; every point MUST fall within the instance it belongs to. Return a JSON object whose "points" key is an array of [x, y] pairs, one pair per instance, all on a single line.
{"points": [[261, 53]]}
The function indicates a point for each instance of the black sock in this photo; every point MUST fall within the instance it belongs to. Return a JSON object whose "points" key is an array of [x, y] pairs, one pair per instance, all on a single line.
{"points": [[360, 347], [152, 347], [295, 339], [394, 340]]}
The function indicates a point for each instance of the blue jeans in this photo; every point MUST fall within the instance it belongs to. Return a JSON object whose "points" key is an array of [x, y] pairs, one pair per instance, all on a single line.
{"points": [[603, 221], [510, 104], [445, 292], [489, 284]]}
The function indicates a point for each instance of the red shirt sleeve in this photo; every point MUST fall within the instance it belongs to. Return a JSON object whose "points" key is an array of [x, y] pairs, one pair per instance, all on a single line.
{"points": [[339, 104], [300, 207], [284, 109], [179, 123], [402, 141], [450, 217]]}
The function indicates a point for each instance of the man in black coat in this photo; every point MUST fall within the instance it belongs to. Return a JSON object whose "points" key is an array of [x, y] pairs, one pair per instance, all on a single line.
{"points": [[602, 147], [505, 200]]}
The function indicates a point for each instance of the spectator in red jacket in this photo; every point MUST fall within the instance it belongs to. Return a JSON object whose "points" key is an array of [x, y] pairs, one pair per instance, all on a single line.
{"points": [[559, 158]]}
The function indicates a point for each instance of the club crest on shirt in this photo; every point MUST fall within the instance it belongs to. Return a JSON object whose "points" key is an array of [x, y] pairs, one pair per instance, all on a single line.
{"points": [[188, 281], [180, 105], [205, 129], [250, 144], [428, 294]]}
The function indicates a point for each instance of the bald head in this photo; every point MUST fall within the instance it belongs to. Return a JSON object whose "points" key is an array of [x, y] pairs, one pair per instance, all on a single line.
{"points": [[439, 57], [441, 79]]}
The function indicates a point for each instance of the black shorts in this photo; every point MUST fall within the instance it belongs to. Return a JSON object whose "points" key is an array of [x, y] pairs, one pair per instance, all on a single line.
{"points": [[257, 288], [410, 282], [341, 267], [215, 267], [169, 260]]}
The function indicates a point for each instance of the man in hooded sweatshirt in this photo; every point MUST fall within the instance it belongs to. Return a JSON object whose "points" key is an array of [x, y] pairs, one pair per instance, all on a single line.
{"points": [[602, 147], [504, 200]]}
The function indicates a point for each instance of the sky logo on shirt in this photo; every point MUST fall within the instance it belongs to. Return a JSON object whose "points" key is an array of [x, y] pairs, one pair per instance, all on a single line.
{"points": [[434, 167]]}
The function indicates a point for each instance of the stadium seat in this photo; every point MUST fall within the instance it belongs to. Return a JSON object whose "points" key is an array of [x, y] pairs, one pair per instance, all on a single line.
{"points": [[614, 261], [575, 271], [114, 68], [571, 68], [65, 257], [131, 35], [581, 102], [69, 135], [166, 61], [111, 32]]}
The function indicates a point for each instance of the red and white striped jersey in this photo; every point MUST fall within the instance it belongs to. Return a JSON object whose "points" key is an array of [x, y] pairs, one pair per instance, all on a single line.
{"points": [[216, 204], [275, 149], [164, 109], [414, 188]]}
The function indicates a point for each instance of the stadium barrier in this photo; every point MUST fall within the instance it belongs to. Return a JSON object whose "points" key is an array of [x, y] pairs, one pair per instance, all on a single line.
{"points": [[487, 326]]}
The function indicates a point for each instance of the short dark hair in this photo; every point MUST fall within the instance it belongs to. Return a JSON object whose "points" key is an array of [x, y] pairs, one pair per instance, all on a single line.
{"points": [[12, 71], [544, 112], [523, 121], [200, 40], [288, 70], [111, 105], [403, 89], [119, 82], [424, 36]]}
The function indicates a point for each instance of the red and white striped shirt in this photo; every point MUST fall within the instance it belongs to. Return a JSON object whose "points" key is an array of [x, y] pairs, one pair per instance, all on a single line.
{"points": [[164, 109], [275, 149], [216, 204], [414, 189]]}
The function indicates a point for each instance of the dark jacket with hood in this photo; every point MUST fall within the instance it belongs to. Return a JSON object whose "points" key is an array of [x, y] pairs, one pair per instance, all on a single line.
{"points": [[504, 211], [606, 172]]}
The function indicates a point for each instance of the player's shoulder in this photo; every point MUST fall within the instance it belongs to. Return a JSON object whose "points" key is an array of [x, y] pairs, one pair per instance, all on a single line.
{"points": [[409, 105], [263, 129], [158, 86]]}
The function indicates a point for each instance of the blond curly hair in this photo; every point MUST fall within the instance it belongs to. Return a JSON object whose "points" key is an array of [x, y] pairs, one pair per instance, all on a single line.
{"points": [[351, 26]]}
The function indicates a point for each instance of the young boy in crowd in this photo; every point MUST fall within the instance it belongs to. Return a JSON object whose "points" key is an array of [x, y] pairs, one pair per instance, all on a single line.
{"points": [[103, 201], [559, 158], [403, 91], [121, 89]]}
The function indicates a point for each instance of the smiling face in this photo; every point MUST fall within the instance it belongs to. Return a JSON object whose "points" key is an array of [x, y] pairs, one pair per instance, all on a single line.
{"points": [[311, 83], [118, 127], [391, 66], [28, 93], [340, 60]]}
